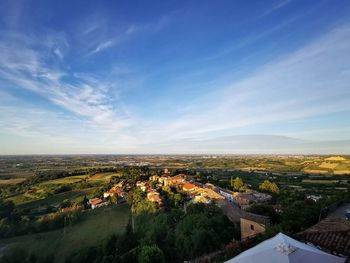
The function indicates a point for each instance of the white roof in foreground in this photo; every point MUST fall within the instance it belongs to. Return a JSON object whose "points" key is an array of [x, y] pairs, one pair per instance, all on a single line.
{"points": [[282, 248]]}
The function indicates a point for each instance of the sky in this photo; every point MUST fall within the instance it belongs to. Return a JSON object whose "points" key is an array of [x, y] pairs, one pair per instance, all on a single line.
{"points": [[139, 77]]}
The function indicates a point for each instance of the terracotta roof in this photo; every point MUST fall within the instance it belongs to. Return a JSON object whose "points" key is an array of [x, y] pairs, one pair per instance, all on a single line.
{"points": [[96, 201], [332, 234], [189, 186]]}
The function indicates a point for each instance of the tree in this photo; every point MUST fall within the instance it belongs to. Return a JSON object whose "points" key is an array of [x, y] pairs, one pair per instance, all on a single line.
{"points": [[238, 184], [150, 254], [269, 187], [204, 229], [6, 208], [231, 182]]}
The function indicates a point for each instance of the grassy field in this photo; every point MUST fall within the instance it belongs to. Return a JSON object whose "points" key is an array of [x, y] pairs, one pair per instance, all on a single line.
{"points": [[96, 225], [320, 181], [11, 181], [65, 180], [26, 201], [97, 178]]}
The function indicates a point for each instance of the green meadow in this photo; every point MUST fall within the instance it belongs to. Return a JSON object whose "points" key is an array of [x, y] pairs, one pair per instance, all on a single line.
{"points": [[95, 226]]}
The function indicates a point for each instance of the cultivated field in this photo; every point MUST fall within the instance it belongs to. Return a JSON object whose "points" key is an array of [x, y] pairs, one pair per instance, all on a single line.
{"points": [[95, 226], [11, 181]]}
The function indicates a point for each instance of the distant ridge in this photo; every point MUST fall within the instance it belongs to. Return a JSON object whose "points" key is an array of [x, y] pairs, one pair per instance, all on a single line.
{"points": [[258, 144]]}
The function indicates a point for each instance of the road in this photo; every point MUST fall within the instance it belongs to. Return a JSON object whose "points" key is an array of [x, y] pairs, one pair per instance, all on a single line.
{"points": [[340, 211]]}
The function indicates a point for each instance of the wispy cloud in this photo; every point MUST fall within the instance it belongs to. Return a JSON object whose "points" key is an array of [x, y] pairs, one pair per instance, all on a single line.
{"points": [[309, 82], [102, 37], [104, 45], [35, 70], [278, 5]]}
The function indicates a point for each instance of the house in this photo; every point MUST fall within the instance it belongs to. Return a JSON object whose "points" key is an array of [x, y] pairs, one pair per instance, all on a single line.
{"points": [[209, 194], [154, 178], [201, 199], [163, 179], [204, 195], [142, 185], [154, 196], [177, 179], [97, 202], [252, 225], [249, 197], [227, 194], [114, 191], [332, 235], [314, 198], [188, 187], [210, 186]]}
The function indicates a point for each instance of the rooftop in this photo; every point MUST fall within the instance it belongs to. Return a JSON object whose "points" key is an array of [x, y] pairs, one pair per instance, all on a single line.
{"points": [[332, 234]]}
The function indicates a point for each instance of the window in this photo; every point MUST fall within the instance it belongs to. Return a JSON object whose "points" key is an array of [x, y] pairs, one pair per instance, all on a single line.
{"points": [[251, 227]]}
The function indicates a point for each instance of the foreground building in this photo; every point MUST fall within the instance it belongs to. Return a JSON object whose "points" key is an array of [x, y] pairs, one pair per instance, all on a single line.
{"points": [[283, 249], [331, 235], [252, 225], [97, 202]]}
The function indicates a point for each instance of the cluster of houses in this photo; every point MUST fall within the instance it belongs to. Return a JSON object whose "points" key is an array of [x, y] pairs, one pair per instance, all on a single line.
{"points": [[197, 192], [116, 191], [245, 199], [200, 193]]}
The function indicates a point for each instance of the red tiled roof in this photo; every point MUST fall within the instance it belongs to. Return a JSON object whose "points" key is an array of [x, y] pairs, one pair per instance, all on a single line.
{"points": [[332, 234], [189, 186], [96, 201]]}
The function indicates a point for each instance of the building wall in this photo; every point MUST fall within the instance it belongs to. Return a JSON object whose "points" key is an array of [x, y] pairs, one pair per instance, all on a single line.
{"points": [[250, 228]]}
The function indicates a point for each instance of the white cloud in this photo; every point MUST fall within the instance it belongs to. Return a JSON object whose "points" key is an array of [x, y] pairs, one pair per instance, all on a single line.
{"points": [[103, 45], [36, 70], [311, 81], [278, 5]]}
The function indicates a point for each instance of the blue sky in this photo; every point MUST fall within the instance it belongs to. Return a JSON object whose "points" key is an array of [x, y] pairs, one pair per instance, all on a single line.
{"points": [[174, 76]]}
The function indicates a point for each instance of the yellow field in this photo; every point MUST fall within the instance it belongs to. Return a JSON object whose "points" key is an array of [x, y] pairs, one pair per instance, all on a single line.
{"points": [[315, 171], [253, 168], [342, 172], [11, 181], [327, 165], [335, 158]]}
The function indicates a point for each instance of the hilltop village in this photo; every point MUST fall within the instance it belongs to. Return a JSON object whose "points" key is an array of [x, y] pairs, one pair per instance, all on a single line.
{"points": [[192, 192]]}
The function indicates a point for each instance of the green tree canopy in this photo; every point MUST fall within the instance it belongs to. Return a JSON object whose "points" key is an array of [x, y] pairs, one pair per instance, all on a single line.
{"points": [[150, 254], [238, 184], [269, 187]]}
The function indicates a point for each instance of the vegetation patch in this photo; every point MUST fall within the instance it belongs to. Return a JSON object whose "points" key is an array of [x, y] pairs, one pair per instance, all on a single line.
{"points": [[11, 181], [96, 225], [320, 181]]}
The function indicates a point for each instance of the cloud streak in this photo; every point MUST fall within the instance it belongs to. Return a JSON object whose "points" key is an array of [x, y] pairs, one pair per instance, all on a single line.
{"points": [[309, 82], [28, 69]]}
